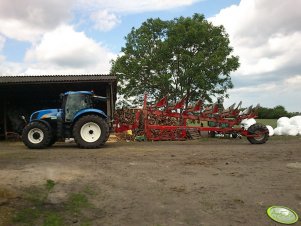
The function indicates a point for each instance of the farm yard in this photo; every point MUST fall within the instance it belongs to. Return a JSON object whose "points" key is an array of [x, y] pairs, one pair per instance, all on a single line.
{"points": [[202, 98], [210, 181]]}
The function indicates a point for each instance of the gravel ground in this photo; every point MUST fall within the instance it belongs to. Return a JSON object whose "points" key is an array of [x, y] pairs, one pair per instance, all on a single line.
{"points": [[200, 182]]}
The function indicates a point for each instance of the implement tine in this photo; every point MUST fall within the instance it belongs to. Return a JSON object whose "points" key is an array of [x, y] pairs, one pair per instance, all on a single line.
{"points": [[246, 111], [255, 110], [198, 105], [257, 107], [231, 107], [238, 106], [249, 110]]}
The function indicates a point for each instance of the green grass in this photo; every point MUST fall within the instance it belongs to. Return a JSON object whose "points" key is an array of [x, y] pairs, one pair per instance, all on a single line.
{"points": [[53, 219], [49, 185], [271, 122], [27, 216], [76, 202], [34, 208]]}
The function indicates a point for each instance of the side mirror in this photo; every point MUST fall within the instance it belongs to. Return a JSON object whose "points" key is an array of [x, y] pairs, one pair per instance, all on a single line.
{"points": [[61, 96]]}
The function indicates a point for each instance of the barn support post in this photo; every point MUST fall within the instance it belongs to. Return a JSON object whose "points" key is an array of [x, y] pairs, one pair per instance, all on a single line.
{"points": [[5, 119], [108, 95], [110, 102]]}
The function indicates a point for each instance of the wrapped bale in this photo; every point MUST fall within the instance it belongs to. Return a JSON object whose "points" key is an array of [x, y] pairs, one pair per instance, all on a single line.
{"points": [[271, 130], [246, 123], [290, 130], [283, 121], [288, 126], [278, 131], [296, 121]]}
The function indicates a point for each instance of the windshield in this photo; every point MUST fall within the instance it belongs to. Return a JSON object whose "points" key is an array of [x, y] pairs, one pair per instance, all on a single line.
{"points": [[76, 102]]}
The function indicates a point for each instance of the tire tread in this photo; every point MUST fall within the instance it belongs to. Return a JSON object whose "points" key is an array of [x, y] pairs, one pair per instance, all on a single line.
{"points": [[104, 131], [47, 135], [253, 128]]}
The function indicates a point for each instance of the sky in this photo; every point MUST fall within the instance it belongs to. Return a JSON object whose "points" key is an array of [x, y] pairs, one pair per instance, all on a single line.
{"points": [[40, 37]]}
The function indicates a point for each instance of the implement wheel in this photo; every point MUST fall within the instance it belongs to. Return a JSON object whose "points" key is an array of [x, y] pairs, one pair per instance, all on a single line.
{"points": [[36, 135], [259, 134], [90, 131]]}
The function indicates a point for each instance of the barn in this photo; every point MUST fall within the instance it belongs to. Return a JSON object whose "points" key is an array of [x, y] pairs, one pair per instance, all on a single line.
{"points": [[21, 95]]}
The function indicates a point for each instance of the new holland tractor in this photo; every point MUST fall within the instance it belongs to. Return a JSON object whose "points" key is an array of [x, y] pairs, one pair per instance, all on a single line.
{"points": [[78, 118]]}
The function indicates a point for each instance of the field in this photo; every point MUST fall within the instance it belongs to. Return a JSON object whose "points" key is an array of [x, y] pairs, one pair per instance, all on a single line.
{"points": [[211, 181], [271, 122]]}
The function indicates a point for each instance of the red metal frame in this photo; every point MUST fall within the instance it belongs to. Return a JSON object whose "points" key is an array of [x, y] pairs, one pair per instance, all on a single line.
{"points": [[225, 120]]}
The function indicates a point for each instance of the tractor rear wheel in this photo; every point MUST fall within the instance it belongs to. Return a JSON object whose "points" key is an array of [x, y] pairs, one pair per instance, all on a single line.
{"points": [[90, 131], [259, 134], [36, 135]]}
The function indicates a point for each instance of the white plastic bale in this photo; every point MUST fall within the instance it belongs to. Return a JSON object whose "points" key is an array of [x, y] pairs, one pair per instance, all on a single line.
{"points": [[296, 121], [290, 130], [271, 130], [246, 123], [283, 121], [293, 131], [251, 121], [278, 131]]}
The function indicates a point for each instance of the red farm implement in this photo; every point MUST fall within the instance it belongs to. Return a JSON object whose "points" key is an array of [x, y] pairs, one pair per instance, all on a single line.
{"points": [[163, 122]]}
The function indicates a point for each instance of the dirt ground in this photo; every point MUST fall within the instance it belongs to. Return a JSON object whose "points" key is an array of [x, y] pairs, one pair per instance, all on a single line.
{"points": [[218, 182]]}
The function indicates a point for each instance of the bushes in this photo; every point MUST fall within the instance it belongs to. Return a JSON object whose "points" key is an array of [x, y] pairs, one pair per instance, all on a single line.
{"points": [[275, 113]]}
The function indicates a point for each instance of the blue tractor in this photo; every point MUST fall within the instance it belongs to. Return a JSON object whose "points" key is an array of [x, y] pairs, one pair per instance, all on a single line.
{"points": [[78, 118]]}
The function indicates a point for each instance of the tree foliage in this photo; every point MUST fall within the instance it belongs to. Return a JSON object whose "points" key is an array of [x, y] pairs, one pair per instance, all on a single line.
{"points": [[185, 56], [275, 113]]}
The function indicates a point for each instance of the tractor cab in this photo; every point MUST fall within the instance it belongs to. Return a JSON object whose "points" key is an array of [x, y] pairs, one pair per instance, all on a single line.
{"points": [[74, 102]]}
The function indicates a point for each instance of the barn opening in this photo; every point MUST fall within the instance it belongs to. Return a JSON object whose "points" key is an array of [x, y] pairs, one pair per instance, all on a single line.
{"points": [[22, 95]]}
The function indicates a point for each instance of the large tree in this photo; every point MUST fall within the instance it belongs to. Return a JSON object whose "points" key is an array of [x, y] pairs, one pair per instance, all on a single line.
{"points": [[185, 56]]}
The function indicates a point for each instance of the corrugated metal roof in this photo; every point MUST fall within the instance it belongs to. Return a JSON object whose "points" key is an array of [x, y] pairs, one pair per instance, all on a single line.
{"points": [[56, 78]]}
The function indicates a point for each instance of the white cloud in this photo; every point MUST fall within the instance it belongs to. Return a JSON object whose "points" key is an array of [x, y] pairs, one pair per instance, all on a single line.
{"points": [[27, 19], [10, 68], [104, 20], [255, 89], [57, 47], [65, 50], [294, 81], [265, 35], [286, 93], [130, 6], [107, 14], [2, 41]]}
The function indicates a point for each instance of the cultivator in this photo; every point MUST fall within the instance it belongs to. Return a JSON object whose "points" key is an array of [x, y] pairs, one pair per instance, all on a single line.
{"points": [[163, 122]]}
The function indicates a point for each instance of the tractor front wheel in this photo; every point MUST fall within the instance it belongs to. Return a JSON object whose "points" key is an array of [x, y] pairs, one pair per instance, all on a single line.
{"points": [[90, 131], [258, 134], [36, 135]]}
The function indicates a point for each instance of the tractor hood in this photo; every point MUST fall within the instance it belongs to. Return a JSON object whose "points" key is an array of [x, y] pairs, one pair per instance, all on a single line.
{"points": [[45, 114]]}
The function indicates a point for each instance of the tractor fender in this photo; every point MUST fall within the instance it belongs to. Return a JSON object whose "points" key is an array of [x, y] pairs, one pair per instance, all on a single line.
{"points": [[42, 121], [89, 111]]}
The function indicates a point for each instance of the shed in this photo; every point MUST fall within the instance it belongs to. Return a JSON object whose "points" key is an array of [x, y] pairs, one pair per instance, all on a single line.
{"points": [[21, 95]]}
